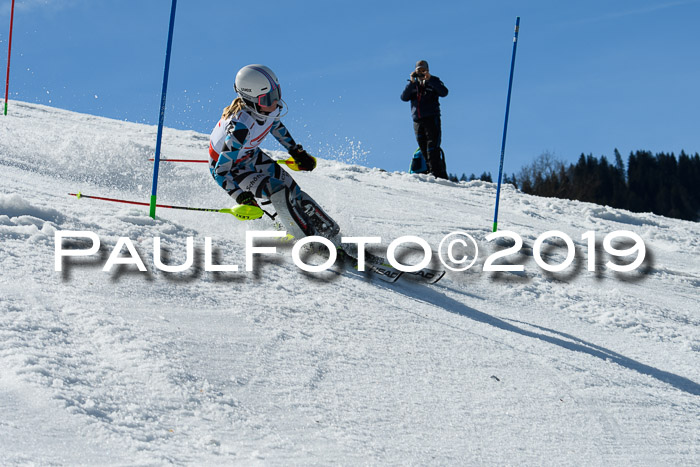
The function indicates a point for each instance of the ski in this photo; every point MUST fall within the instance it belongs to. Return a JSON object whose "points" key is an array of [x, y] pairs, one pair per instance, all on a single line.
{"points": [[375, 265], [382, 272], [427, 275], [385, 273], [380, 267]]}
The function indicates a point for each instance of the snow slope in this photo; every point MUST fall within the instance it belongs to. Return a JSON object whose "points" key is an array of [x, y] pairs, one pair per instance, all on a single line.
{"points": [[280, 367]]}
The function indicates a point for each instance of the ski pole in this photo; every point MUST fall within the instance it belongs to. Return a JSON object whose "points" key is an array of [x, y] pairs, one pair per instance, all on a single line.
{"points": [[9, 51], [162, 109], [242, 212], [505, 124]]}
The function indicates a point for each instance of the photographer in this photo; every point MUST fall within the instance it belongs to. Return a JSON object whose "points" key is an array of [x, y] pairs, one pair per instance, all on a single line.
{"points": [[423, 91]]}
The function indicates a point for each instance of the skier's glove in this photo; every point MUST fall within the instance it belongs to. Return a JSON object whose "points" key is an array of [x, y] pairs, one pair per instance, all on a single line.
{"points": [[302, 158], [246, 198]]}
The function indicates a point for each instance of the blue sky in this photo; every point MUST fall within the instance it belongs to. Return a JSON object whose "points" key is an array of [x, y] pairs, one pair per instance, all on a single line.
{"points": [[590, 76]]}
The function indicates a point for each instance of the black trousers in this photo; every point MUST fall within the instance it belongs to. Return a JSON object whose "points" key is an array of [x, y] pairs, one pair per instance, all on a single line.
{"points": [[429, 135]]}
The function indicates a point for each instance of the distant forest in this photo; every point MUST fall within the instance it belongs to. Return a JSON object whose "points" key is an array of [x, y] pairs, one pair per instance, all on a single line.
{"points": [[660, 183]]}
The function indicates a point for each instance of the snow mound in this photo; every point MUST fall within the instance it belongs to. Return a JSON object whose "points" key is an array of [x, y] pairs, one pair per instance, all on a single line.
{"points": [[14, 206]]}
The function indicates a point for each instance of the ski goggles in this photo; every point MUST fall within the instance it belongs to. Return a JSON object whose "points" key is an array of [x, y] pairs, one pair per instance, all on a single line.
{"points": [[271, 98]]}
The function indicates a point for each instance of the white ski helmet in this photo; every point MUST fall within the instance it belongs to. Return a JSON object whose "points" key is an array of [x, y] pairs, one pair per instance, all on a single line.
{"points": [[258, 85]]}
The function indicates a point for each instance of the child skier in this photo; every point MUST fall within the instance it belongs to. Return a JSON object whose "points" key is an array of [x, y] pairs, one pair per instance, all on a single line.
{"points": [[241, 168]]}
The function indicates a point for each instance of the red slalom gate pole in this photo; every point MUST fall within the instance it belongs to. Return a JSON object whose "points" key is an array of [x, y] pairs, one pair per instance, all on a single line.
{"points": [[241, 212], [139, 203], [291, 163], [181, 160], [9, 52]]}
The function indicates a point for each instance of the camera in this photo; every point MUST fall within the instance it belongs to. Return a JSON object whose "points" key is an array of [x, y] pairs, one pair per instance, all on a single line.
{"points": [[417, 74]]}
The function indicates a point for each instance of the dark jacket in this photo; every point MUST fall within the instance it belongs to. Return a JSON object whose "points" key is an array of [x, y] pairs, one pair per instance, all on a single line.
{"points": [[424, 99]]}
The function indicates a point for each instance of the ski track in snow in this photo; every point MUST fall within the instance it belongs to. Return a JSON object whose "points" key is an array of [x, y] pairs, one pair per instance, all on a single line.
{"points": [[279, 367]]}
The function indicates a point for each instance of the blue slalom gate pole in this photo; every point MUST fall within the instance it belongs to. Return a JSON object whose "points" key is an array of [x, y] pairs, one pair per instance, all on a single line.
{"points": [[156, 162], [505, 125]]}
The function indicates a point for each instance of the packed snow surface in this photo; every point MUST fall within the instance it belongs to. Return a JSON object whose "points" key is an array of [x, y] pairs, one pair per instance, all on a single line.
{"points": [[281, 367]]}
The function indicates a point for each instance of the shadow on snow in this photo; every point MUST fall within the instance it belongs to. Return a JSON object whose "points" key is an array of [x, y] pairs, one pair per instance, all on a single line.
{"points": [[563, 340]]}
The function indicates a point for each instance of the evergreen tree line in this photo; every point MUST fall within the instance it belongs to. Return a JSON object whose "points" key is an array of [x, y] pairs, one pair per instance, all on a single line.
{"points": [[486, 177], [663, 183]]}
